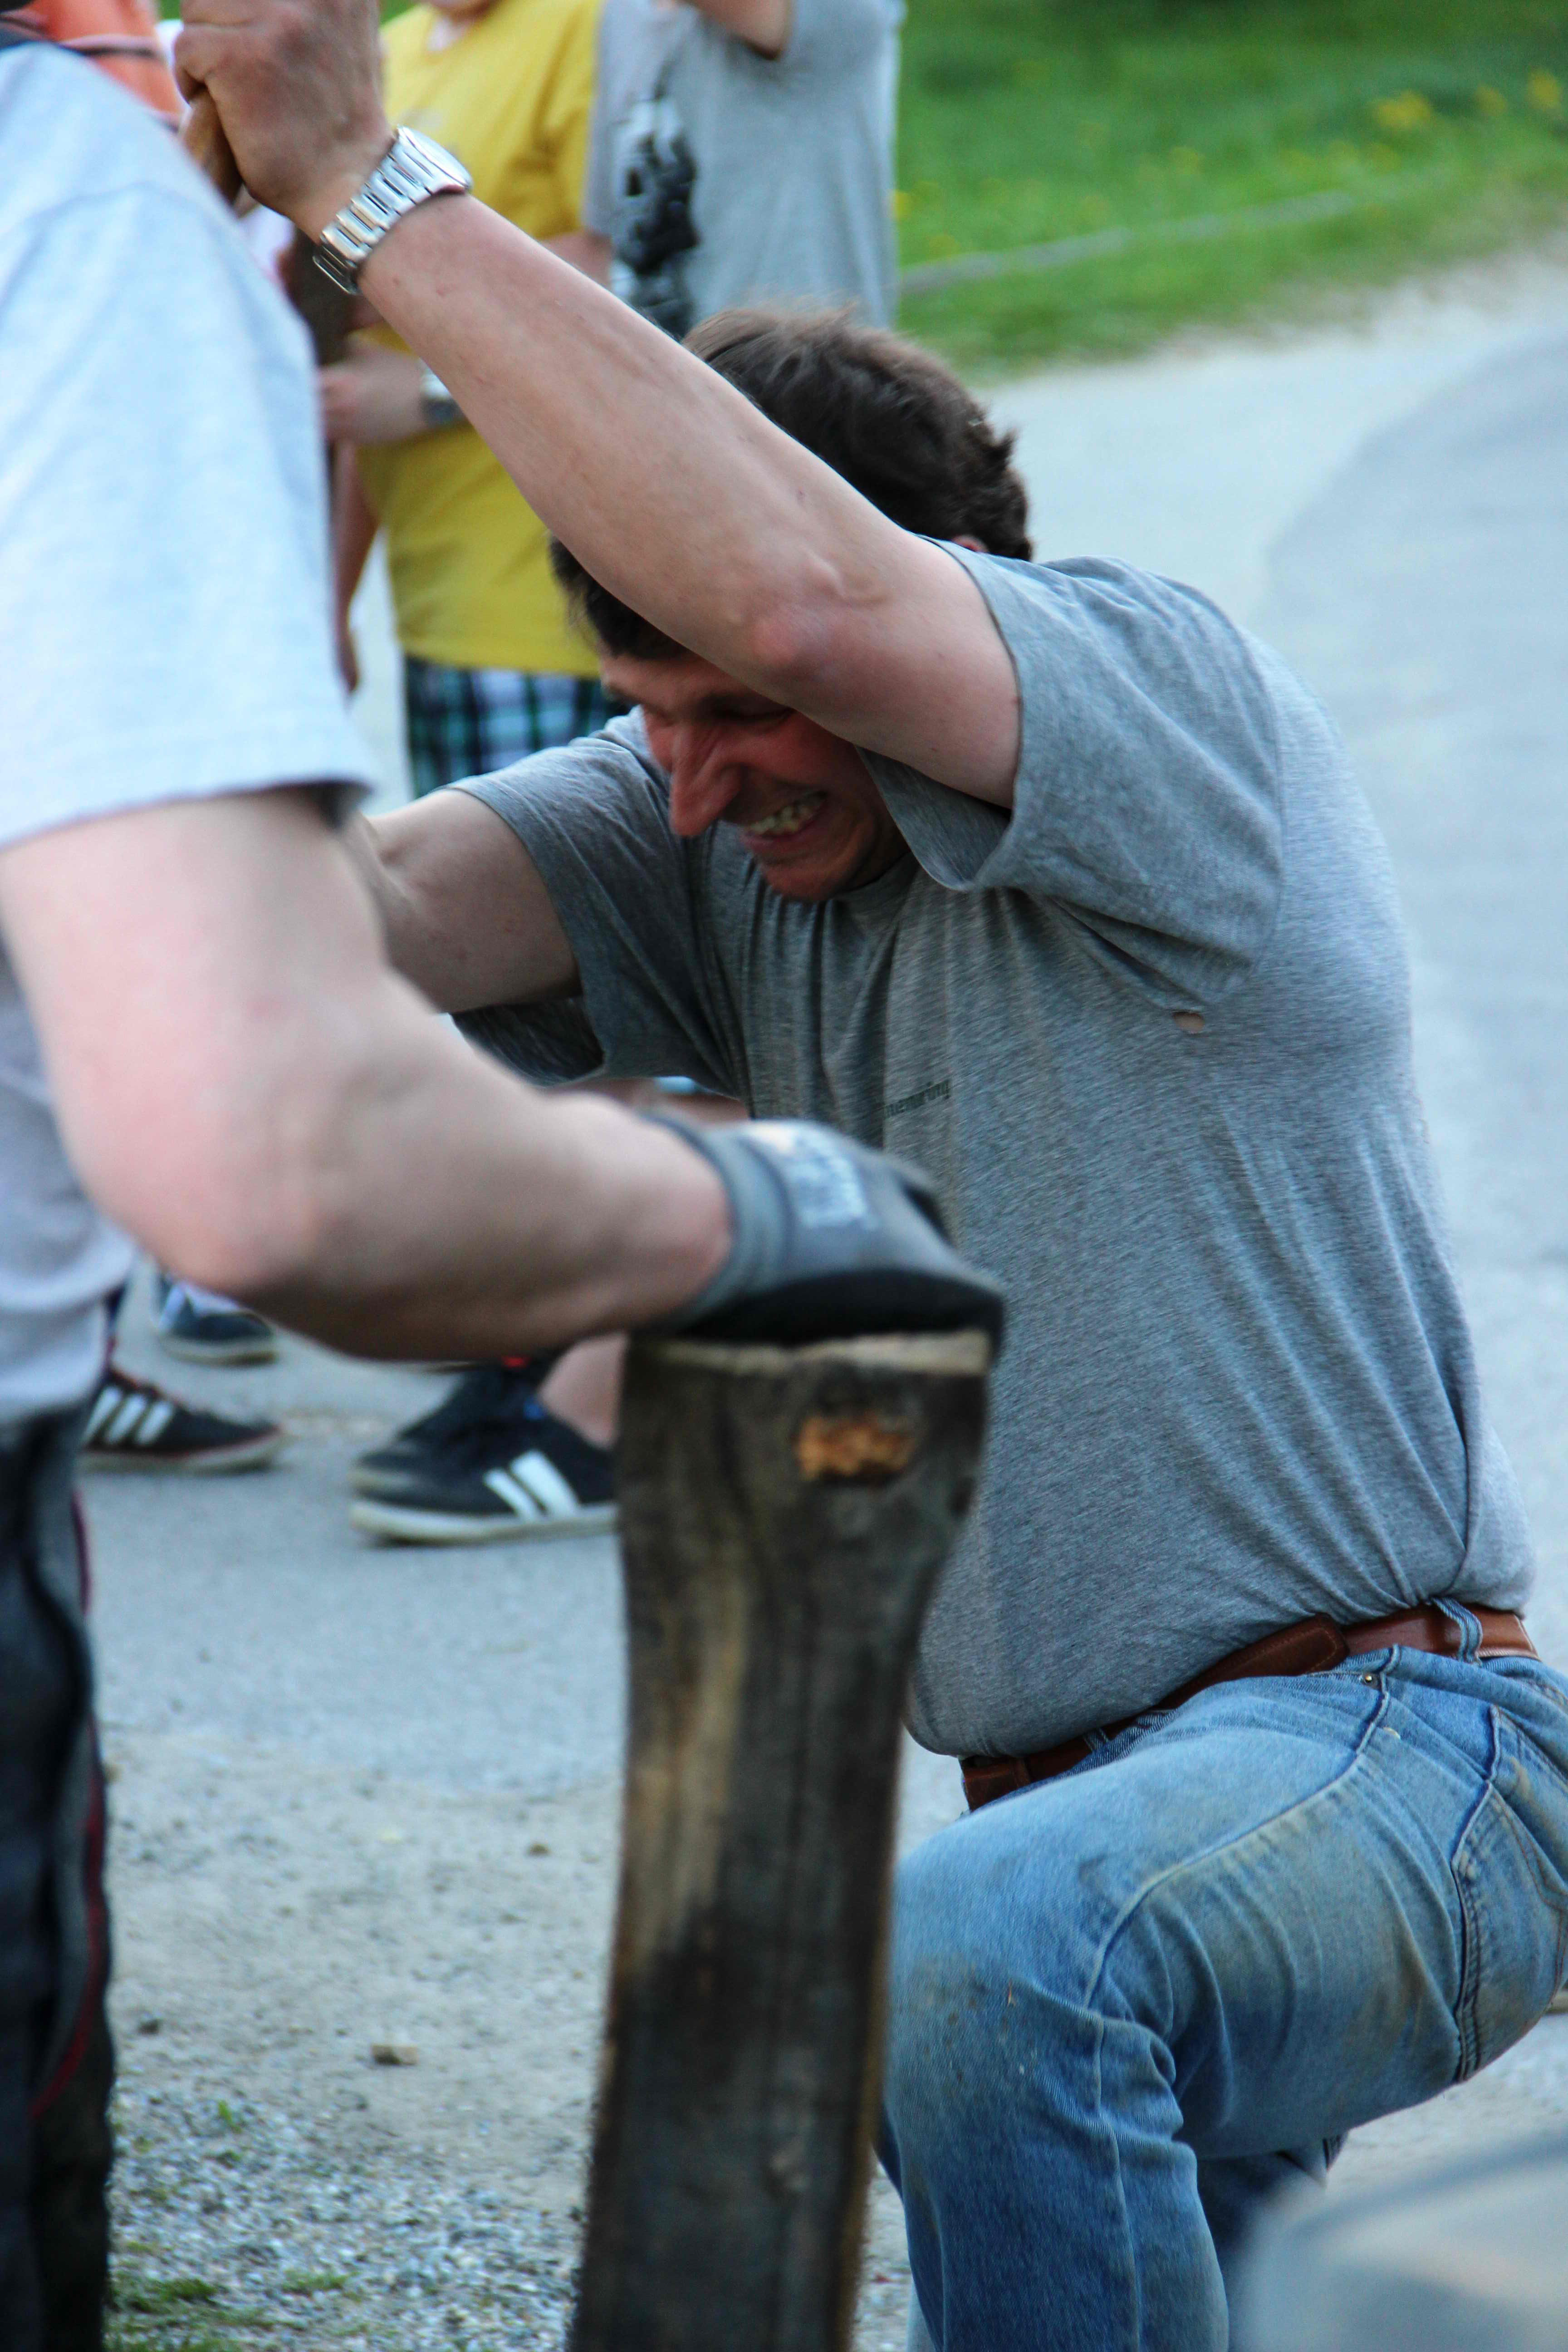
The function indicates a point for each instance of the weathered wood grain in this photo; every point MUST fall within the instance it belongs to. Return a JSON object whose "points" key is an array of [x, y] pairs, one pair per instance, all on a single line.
{"points": [[785, 1513]]}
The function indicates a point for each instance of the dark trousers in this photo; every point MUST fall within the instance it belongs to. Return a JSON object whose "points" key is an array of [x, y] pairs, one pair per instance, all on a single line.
{"points": [[56, 2061]]}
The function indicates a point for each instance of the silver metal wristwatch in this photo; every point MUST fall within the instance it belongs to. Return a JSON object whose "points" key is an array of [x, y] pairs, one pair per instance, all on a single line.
{"points": [[412, 169]]}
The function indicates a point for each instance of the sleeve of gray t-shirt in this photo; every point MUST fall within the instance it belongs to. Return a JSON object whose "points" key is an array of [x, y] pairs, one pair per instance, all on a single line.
{"points": [[594, 817], [1147, 803], [164, 600]]}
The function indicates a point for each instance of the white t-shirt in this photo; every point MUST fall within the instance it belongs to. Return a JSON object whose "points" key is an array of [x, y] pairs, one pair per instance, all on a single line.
{"points": [[163, 581]]}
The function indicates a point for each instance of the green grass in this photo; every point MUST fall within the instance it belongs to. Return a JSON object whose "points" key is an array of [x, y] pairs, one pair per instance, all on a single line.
{"points": [[178, 2314], [1025, 122], [190, 2314]]}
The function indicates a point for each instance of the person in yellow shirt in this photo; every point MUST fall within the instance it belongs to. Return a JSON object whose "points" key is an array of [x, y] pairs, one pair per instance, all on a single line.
{"points": [[493, 667]]}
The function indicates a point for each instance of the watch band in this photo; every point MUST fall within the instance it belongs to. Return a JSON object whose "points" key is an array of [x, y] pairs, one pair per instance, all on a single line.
{"points": [[412, 169]]}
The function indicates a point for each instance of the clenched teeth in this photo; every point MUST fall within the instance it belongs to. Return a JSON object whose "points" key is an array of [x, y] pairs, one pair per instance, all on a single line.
{"points": [[789, 819]]}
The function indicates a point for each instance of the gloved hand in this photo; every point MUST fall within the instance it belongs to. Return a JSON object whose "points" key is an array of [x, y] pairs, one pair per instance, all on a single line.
{"points": [[832, 1242]]}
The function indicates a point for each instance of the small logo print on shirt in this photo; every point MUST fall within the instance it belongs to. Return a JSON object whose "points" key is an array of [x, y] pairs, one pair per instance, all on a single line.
{"points": [[937, 1091]]}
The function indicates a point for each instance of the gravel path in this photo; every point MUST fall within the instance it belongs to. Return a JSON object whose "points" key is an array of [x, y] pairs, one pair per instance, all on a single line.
{"points": [[250, 2225], [279, 1917]]}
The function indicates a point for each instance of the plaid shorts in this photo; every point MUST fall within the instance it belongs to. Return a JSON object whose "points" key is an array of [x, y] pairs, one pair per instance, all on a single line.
{"points": [[469, 722]]}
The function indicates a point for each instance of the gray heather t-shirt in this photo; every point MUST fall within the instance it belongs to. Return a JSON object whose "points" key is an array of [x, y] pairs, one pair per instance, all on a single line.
{"points": [[1151, 1035], [162, 583], [793, 194]]}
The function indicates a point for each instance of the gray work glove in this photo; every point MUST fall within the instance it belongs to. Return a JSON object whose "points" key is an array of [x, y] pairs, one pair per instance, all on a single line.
{"points": [[832, 1242]]}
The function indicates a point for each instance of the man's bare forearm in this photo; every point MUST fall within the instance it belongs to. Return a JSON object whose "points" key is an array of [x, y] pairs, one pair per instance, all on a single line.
{"points": [[495, 315], [681, 500], [464, 912], [457, 1213], [673, 491], [663, 480], [249, 1091]]}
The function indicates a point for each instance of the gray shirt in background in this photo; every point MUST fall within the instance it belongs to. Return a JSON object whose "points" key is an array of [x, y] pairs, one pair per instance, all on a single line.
{"points": [[794, 155], [163, 592], [1150, 1036]]}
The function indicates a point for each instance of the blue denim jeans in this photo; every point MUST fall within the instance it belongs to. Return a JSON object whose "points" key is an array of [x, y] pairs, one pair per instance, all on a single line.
{"points": [[1128, 2003]]}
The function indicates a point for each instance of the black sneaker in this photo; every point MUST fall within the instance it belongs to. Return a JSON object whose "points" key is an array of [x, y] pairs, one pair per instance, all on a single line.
{"points": [[134, 1426], [487, 1403], [515, 1474], [207, 1329]]}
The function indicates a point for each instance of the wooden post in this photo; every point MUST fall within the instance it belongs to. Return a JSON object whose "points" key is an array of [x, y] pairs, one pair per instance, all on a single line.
{"points": [[784, 1515]]}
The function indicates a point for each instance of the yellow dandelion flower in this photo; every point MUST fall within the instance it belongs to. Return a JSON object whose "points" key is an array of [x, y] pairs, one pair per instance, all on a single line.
{"points": [[903, 203], [1545, 91], [1491, 102], [1409, 111]]}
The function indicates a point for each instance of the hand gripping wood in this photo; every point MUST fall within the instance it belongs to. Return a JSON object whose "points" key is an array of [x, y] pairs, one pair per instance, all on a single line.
{"points": [[784, 1514], [206, 142]]}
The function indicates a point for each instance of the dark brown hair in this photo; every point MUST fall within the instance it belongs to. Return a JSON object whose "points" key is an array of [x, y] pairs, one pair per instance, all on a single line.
{"points": [[887, 415]]}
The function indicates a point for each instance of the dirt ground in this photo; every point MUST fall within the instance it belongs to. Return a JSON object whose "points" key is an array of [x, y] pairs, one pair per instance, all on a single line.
{"points": [[278, 1920]]}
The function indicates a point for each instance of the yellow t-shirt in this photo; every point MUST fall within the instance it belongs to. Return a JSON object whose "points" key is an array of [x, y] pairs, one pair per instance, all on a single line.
{"points": [[470, 562]]}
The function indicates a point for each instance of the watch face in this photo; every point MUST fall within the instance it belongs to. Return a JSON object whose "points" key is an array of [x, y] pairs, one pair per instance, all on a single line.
{"points": [[437, 161]]}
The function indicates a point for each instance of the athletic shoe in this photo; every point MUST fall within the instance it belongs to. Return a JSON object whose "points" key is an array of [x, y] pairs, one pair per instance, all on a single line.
{"points": [[516, 1474], [207, 1329], [486, 1405], [134, 1426]]}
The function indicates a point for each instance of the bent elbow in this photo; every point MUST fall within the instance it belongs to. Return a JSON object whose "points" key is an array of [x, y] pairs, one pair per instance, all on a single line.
{"points": [[245, 1244], [248, 1258], [795, 640], [245, 1221]]}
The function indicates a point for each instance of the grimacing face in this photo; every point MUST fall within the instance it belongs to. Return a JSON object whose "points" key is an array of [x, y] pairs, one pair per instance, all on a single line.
{"points": [[805, 806]]}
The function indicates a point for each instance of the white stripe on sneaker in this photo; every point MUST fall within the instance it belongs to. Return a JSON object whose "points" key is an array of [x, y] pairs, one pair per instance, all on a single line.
{"points": [[120, 1427], [107, 1401], [158, 1418], [546, 1485], [521, 1504]]}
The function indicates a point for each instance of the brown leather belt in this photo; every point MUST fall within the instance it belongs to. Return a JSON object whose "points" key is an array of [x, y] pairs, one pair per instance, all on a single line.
{"points": [[1309, 1648]]}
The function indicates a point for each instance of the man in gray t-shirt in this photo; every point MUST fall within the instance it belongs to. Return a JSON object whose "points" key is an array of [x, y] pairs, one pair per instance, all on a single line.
{"points": [[1149, 1030], [1049, 872], [742, 150], [1150, 1036]]}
